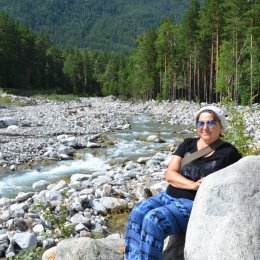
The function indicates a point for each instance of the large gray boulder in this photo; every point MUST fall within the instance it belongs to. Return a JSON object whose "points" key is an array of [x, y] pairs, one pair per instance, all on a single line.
{"points": [[224, 222]]}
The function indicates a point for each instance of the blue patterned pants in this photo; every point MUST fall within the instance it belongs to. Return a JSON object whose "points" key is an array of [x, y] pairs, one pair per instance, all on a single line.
{"points": [[151, 221]]}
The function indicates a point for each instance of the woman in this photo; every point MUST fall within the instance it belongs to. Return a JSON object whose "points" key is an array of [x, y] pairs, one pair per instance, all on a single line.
{"points": [[167, 213]]}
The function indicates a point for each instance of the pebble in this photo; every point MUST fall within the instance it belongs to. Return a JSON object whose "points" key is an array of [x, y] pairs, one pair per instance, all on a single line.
{"points": [[61, 127]]}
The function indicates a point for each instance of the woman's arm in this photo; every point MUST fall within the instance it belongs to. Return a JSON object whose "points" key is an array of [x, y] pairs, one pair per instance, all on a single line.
{"points": [[174, 178]]}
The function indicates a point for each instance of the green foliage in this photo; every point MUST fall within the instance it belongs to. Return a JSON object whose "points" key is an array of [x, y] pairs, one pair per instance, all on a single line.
{"points": [[32, 253], [117, 221], [6, 100], [28, 61], [214, 53], [58, 220], [143, 71], [226, 69], [97, 24], [236, 131], [62, 98]]}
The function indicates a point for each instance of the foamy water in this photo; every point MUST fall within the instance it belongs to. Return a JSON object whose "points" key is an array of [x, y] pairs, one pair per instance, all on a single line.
{"points": [[19, 181], [127, 146]]}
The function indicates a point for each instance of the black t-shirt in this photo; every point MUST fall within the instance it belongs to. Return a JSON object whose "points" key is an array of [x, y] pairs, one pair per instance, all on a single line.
{"points": [[225, 155]]}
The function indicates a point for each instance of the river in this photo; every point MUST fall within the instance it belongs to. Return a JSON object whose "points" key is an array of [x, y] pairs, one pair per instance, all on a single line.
{"points": [[127, 147]]}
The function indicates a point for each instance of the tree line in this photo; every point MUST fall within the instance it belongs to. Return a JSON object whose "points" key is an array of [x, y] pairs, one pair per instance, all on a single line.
{"points": [[214, 53]]}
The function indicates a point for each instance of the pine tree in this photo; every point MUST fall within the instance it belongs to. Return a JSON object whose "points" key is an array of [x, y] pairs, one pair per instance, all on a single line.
{"points": [[165, 47], [190, 32], [211, 26]]}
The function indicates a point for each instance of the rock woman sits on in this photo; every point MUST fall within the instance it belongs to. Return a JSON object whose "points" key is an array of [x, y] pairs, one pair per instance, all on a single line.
{"points": [[167, 213]]}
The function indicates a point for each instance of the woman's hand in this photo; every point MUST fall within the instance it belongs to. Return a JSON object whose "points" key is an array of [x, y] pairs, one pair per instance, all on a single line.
{"points": [[196, 184], [176, 179]]}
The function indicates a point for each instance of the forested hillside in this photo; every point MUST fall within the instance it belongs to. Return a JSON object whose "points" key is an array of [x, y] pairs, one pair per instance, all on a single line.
{"points": [[99, 24], [214, 53]]}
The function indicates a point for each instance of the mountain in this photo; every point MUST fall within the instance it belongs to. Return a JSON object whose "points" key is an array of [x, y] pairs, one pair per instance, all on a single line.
{"points": [[109, 25]]}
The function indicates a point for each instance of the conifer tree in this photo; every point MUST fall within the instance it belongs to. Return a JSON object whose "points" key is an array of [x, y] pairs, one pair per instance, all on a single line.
{"points": [[165, 47]]}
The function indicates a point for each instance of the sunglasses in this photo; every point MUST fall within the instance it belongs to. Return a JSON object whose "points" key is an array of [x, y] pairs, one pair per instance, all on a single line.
{"points": [[210, 124]]}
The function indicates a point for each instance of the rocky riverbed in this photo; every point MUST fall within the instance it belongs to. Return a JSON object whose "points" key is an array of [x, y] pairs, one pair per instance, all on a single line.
{"points": [[47, 129], [78, 207]]}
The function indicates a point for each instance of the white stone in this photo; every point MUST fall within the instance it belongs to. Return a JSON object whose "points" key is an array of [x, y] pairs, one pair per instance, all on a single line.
{"points": [[40, 185], [38, 229]]}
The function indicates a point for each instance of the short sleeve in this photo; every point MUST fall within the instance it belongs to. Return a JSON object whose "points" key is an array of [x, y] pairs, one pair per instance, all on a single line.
{"points": [[233, 156], [188, 145]]}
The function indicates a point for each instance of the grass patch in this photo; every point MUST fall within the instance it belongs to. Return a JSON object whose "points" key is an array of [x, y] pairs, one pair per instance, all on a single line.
{"points": [[16, 102], [60, 98], [117, 221]]}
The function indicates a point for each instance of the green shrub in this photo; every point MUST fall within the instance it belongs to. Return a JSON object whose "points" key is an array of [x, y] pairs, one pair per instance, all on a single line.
{"points": [[32, 253], [236, 131], [58, 219]]}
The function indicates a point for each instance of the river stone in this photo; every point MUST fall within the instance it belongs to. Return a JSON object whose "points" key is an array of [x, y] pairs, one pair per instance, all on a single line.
{"points": [[157, 187], [142, 192], [131, 165], [5, 202], [12, 127], [224, 222], [7, 121], [25, 240], [80, 227], [143, 160], [22, 196], [151, 138], [79, 177], [3, 238], [85, 248], [65, 156], [113, 203], [53, 196], [20, 224], [40, 185], [100, 180], [58, 186], [87, 191], [48, 243], [12, 167], [38, 229], [5, 215], [93, 145], [98, 206], [80, 219]]}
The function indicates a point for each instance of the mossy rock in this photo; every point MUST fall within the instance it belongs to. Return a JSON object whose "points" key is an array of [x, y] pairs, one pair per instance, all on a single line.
{"points": [[109, 143]]}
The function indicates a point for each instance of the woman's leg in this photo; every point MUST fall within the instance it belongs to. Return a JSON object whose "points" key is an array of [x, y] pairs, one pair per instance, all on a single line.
{"points": [[134, 225], [144, 241], [161, 222]]}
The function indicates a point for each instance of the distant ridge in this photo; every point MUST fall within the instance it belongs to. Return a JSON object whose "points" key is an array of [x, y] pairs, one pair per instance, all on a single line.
{"points": [[97, 24]]}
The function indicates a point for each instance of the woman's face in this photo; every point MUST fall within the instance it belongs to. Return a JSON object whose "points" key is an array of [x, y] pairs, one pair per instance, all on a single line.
{"points": [[207, 133]]}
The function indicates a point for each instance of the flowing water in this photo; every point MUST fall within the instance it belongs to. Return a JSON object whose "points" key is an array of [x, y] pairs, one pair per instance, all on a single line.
{"points": [[127, 147]]}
